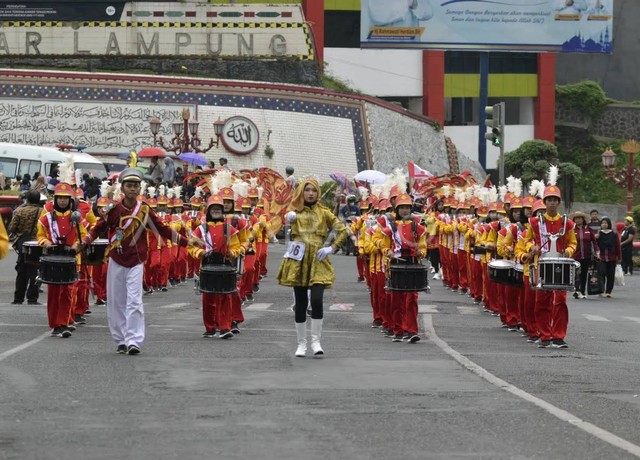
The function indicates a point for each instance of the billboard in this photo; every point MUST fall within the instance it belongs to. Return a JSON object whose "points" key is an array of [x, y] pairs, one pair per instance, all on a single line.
{"points": [[573, 26]]}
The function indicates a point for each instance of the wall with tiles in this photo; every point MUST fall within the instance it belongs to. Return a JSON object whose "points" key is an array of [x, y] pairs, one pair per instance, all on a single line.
{"points": [[315, 131]]}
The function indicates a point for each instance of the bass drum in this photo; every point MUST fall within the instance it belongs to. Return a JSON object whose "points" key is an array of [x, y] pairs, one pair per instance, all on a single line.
{"points": [[58, 269], [408, 278], [217, 279]]}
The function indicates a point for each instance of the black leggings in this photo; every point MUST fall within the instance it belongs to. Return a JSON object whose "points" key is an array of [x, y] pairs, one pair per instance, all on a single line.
{"points": [[607, 272], [302, 300], [581, 281], [434, 257], [627, 258]]}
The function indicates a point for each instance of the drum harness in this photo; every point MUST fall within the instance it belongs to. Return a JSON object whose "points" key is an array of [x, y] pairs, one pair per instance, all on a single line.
{"points": [[549, 237], [396, 236]]}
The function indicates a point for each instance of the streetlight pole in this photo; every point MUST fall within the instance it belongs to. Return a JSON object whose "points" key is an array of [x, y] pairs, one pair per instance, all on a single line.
{"points": [[628, 178]]}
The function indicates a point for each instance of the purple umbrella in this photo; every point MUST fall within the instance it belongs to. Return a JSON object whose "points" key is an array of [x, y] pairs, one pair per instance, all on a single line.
{"points": [[343, 181], [193, 158]]}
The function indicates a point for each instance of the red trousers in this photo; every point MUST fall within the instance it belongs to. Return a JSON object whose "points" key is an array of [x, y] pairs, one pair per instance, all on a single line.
{"points": [[444, 263], [463, 277], [361, 264], [80, 295], [152, 269], [59, 304], [163, 269], [454, 278], [246, 286], [476, 279], [511, 302], [404, 307], [552, 314], [99, 276], [216, 311], [529, 315], [236, 308], [378, 296]]}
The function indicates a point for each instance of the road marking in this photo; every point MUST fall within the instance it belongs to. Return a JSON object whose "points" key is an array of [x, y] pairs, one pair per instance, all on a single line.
{"points": [[15, 350], [428, 309], [463, 310], [175, 305], [258, 306], [563, 415], [632, 318], [341, 307], [597, 318]]}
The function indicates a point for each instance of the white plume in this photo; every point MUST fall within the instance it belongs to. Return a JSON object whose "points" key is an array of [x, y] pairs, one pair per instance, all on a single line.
{"points": [[552, 175], [143, 188], [170, 193], [376, 189], [541, 187], [104, 188], [240, 188], [397, 177], [224, 178], [471, 191], [517, 187], [260, 191], [177, 190], [66, 173], [212, 183], [483, 195], [533, 187], [161, 190], [364, 193], [510, 181], [502, 192], [117, 190], [493, 194], [198, 192], [151, 191], [460, 194], [253, 182], [386, 189]]}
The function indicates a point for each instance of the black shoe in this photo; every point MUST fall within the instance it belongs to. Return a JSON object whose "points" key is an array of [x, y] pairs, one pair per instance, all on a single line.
{"points": [[397, 338], [66, 333], [234, 327], [559, 343], [249, 297], [88, 312], [72, 327], [15, 302], [209, 334], [56, 332], [360, 280], [226, 334], [388, 333], [133, 350], [414, 338], [256, 288], [512, 329], [376, 324], [532, 339], [172, 282], [544, 344], [79, 319], [102, 302], [164, 289], [122, 349]]}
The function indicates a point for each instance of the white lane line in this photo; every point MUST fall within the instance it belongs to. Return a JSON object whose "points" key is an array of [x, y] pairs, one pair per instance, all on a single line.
{"points": [[341, 307], [15, 350], [428, 309], [463, 310], [258, 306], [597, 318], [632, 318], [175, 305], [563, 415]]}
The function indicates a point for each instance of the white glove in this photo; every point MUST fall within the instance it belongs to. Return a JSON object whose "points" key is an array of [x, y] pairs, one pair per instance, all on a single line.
{"points": [[324, 252], [290, 216]]}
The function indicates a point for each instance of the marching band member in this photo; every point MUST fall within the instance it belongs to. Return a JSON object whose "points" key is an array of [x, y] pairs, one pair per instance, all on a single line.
{"points": [[306, 265], [551, 311], [57, 227], [403, 241], [221, 246], [128, 219]]}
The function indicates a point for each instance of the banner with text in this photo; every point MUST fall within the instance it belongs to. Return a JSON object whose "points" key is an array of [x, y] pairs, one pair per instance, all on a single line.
{"points": [[573, 26]]}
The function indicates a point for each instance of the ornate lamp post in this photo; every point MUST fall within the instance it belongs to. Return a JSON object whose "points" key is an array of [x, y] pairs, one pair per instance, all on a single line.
{"points": [[185, 135], [629, 177]]}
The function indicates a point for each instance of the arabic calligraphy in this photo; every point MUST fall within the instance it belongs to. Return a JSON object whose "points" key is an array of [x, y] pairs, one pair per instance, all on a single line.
{"points": [[102, 127], [240, 135]]}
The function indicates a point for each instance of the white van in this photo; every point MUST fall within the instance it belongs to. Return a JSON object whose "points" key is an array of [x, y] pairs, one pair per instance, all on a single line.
{"points": [[19, 159]]}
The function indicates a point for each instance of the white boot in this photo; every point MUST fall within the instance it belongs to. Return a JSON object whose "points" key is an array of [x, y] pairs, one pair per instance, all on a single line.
{"points": [[301, 332], [316, 333]]}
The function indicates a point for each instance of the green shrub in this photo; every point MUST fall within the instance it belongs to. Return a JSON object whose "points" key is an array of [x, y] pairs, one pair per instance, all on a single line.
{"points": [[587, 96]]}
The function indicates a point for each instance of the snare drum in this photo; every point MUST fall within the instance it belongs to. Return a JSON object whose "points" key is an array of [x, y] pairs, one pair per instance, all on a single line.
{"points": [[407, 277], [58, 269], [217, 279], [32, 252], [518, 275], [501, 271], [554, 274], [240, 266], [94, 254]]}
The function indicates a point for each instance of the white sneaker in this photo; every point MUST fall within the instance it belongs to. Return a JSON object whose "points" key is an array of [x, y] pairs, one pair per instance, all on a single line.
{"points": [[436, 276]]}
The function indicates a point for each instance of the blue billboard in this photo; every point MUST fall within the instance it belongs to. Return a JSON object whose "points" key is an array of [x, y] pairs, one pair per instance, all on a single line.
{"points": [[572, 26]]}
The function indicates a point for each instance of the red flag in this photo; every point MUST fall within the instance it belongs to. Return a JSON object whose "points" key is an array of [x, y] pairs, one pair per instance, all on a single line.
{"points": [[416, 172], [487, 181]]}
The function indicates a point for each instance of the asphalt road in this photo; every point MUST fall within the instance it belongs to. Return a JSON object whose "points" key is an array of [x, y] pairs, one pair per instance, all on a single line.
{"points": [[469, 389]]}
